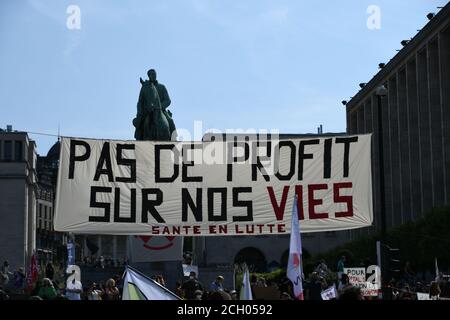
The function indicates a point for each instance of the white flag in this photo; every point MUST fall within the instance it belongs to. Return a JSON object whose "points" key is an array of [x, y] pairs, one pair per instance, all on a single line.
{"points": [[137, 286], [330, 293], [246, 290], [437, 270], [294, 269], [155, 248]]}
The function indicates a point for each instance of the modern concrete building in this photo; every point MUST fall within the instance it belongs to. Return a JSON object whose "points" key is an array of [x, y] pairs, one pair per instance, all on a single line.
{"points": [[18, 186], [416, 124]]}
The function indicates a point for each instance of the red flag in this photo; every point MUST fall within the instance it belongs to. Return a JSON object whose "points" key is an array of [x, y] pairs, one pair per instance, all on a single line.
{"points": [[32, 274]]}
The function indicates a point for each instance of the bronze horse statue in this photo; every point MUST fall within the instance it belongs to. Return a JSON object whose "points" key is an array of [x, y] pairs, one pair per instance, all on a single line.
{"points": [[153, 121]]}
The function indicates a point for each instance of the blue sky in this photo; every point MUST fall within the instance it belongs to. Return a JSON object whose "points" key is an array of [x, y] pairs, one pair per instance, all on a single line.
{"points": [[258, 64]]}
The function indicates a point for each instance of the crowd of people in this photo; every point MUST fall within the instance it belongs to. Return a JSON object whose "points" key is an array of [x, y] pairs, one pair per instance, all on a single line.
{"points": [[53, 284], [403, 285]]}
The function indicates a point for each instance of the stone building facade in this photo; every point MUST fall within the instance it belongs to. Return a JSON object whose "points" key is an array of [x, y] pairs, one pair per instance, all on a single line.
{"points": [[416, 125]]}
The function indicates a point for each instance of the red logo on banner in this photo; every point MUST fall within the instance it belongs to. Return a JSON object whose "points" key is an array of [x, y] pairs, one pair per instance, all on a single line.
{"points": [[146, 240], [296, 260]]}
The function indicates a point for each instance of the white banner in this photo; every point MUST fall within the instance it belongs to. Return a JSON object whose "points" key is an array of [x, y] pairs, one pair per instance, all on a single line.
{"points": [[423, 296], [152, 249], [213, 188]]}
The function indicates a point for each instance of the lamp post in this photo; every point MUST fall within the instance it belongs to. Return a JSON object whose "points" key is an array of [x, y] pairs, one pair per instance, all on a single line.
{"points": [[381, 92]]}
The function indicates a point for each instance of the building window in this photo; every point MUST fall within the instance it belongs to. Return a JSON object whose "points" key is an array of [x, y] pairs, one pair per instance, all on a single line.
{"points": [[7, 153], [18, 150], [40, 210], [45, 212]]}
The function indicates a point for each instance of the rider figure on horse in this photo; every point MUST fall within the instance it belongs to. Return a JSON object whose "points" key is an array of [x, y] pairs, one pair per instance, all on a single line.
{"points": [[153, 121]]}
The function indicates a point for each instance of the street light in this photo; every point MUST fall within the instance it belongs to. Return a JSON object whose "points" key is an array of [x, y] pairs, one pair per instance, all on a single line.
{"points": [[381, 92]]}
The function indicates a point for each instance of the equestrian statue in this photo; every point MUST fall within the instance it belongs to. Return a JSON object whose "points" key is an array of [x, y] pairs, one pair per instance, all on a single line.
{"points": [[153, 120]]}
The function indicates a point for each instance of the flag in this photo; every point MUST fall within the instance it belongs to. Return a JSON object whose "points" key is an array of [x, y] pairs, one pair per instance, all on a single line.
{"points": [[436, 269], [294, 269], [246, 289], [70, 253], [330, 293], [33, 273], [155, 248], [137, 286]]}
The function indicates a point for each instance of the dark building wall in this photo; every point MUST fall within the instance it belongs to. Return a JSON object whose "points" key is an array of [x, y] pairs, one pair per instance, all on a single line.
{"points": [[416, 125]]}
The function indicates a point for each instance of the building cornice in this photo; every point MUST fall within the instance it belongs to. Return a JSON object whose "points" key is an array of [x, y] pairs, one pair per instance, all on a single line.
{"points": [[414, 45]]}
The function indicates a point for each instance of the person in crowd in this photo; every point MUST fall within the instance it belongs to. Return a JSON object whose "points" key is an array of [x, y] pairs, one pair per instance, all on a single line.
{"points": [[217, 285], [285, 285], [408, 272], [261, 283], [190, 286], [446, 289], [19, 280], [3, 280], [351, 293], [74, 289], [101, 262], [119, 283], [3, 295], [253, 280], [160, 280], [406, 293], [47, 290], [93, 293], [435, 290], [343, 282], [5, 274], [387, 290], [49, 271], [322, 268], [323, 283], [111, 291], [234, 295], [341, 266], [178, 290], [314, 287], [285, 296], [219, 295], [198, 295]]}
